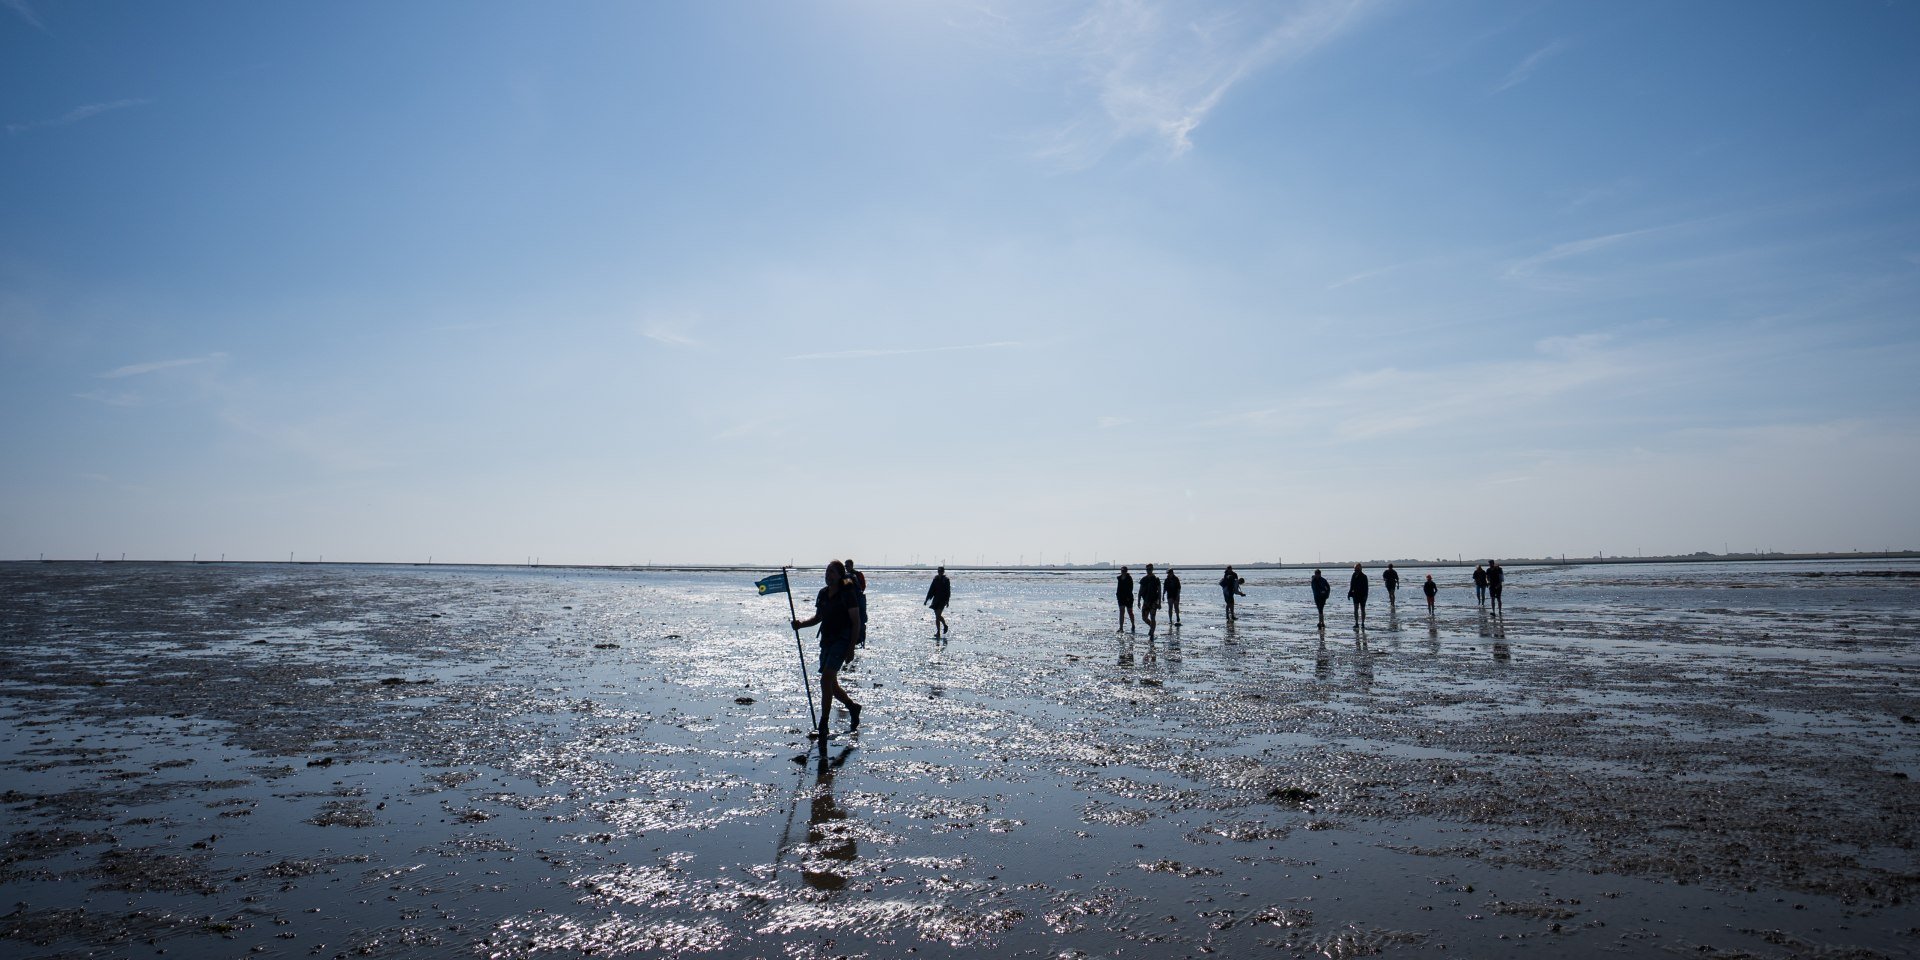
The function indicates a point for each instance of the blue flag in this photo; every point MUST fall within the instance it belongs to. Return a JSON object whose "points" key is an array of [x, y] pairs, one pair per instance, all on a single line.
{"points": [[773, 584]]}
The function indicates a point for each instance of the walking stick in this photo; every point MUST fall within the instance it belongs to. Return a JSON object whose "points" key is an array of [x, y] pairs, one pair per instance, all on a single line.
{"points": [[801, 649]]}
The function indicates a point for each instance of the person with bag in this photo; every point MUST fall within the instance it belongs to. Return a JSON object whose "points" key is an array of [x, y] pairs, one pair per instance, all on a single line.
{"points": [[1230, 584], [836, 610]]}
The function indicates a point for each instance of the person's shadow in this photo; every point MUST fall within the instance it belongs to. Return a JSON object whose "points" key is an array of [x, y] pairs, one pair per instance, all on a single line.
{"points": [[831, 843]]}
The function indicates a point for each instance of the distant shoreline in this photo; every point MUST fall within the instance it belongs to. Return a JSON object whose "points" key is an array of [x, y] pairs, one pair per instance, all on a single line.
{"points": [[1029, 568]]}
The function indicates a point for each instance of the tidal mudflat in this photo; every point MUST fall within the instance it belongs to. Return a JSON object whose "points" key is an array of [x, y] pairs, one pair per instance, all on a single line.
{"points": [[340, 761]]}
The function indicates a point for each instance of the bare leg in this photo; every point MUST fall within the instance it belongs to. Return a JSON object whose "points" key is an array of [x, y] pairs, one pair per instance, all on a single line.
{"points": [[831, 690]]}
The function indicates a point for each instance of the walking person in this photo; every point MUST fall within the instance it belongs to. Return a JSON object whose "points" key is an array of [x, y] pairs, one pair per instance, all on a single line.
{"points": [[1479, 584], [1173, 598], [1357, 592], [1496, 579], [1392, 580], [1431, 589], [836, 609], [939, 593], [1321, 591], [1230, 584], [1150, 600], [859, 583], [1123, 592]]}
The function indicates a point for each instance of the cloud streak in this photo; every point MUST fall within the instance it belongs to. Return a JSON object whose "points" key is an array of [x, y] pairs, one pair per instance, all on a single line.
{"points": [[25, 11], [1157, 72], [137, 369], [1525, 68], [903, 351], [1532, 269], [660, 333], [1393, 402], [77, 114]]}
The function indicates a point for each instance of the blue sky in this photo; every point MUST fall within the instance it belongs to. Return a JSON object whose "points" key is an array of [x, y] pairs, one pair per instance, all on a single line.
{"points": [[744, 282]]}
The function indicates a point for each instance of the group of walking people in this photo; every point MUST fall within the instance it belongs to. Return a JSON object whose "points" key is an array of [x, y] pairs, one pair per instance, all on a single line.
{"points": [[1153, 590], [840, 610], [1488, 581], [1487, 578]]}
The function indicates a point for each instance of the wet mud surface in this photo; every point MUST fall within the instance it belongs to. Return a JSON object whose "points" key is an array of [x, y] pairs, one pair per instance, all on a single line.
{"points": [[286, 760]]}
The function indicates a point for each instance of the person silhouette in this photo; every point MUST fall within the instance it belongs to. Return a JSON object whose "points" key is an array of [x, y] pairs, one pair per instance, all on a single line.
{"points": [[1230, 584], [1357, 592], [1391, 578], [939, 594], [1321, 591], [836, 609], [1123, 592], [1150, 600], [1430, 589], [1173, 598]]}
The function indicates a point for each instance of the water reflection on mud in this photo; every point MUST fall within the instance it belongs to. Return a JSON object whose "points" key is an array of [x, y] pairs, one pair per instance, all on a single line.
{"points": [[304, 760]]}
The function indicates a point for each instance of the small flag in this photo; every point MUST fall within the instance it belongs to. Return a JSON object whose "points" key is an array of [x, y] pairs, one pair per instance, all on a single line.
{"points": [[773, 584]]}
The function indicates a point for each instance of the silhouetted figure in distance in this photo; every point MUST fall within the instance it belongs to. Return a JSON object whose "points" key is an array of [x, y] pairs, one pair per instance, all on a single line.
{"points": [[1392, 580], [1123, 592], [1357, 592], [1230, 584], [1150, 600], [1173, 598], [939, 594], [1479, 584], [860, 584], [1496, 580], [1321, 591], [1430, 589]]}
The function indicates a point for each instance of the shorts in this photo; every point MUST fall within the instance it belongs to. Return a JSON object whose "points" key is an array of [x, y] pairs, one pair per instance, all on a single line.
{"points": [[1149, 603], [937, 607], [835, 655], [1126, 599]]}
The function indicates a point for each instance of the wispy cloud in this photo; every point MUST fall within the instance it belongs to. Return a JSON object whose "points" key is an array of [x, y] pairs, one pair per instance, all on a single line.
{"points": [[1364, 275], [136, 369], [663, 333], [78, 114], [1525, 68], [111, 399], [1156, 71], [1108, 423], [1572, 346], [1393, 401], [903, 351], [25, 11], [1532, 269]]}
